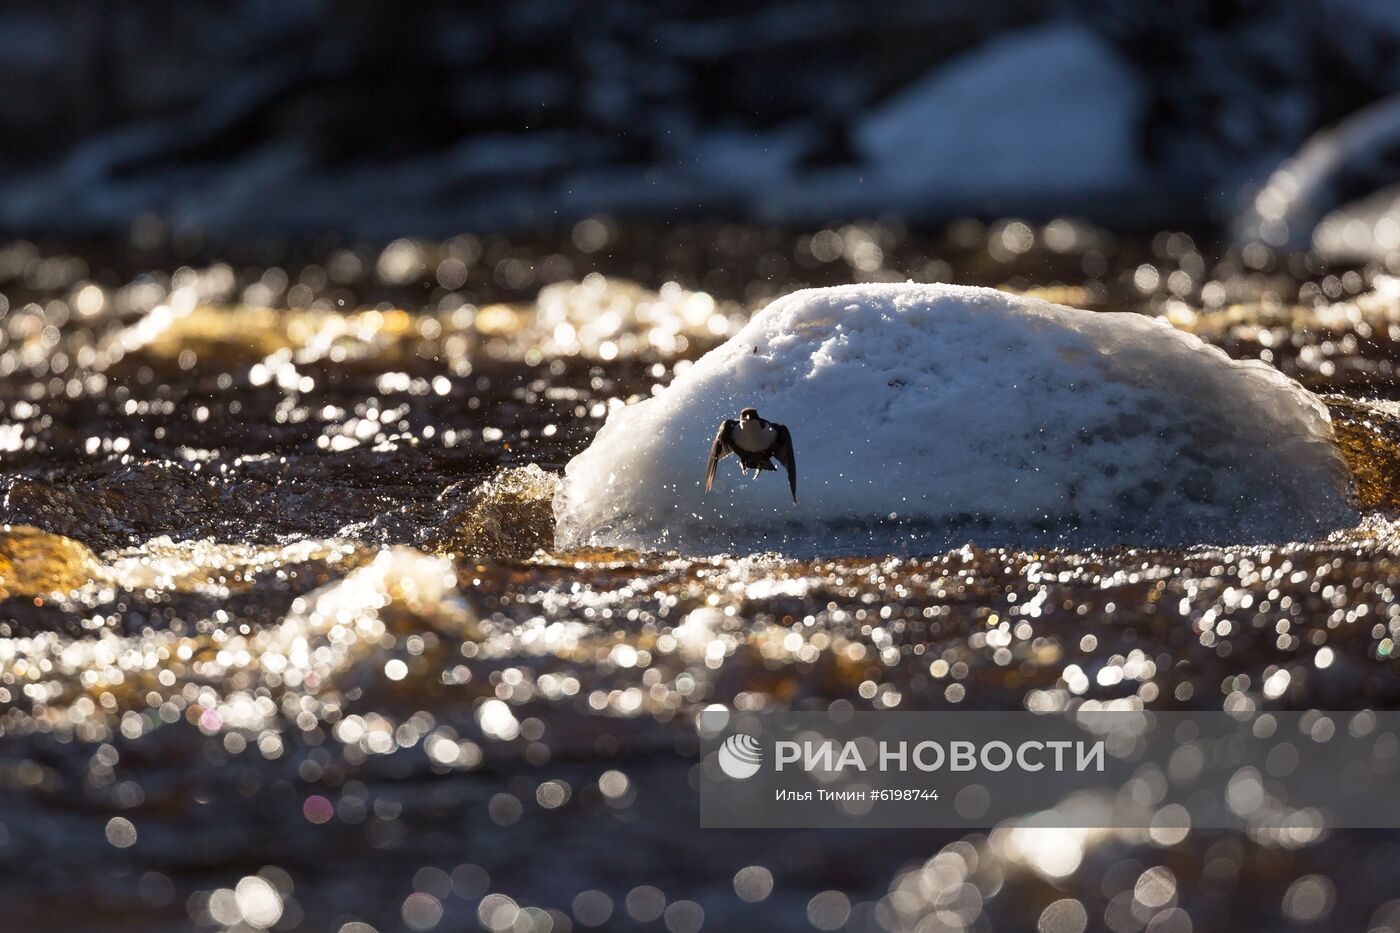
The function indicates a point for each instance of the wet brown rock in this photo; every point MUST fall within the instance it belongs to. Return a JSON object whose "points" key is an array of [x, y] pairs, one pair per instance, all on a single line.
{"points": [[242, 334], [37, 563]]}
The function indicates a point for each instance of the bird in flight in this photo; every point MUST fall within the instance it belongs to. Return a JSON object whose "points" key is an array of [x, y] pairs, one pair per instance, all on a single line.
{"points": [[757, 443]]}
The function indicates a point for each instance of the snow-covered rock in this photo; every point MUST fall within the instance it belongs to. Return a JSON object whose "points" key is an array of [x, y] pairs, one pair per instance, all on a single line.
{"points": [[1047, 109], [926, 416]]}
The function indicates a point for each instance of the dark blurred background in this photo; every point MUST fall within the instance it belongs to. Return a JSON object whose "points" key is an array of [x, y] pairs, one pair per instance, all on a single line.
{"points": [[379, 120]]}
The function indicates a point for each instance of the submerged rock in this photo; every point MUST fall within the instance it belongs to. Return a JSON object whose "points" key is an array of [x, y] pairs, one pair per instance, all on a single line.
{"points": [[37, 563], [925, 416]]}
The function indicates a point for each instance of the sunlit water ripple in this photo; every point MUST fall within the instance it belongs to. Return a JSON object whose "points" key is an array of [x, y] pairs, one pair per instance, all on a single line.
{"points": [[285, 639]]}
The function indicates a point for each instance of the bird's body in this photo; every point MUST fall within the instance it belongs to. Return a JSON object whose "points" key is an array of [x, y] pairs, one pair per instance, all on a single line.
{"points": [[756, 443], [753, 436]]}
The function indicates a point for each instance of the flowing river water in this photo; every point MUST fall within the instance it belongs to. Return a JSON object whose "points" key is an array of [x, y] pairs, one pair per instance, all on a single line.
{"points": [[285, 642]]}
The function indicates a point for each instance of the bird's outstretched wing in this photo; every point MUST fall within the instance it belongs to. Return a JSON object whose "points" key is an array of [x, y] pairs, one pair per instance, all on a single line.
{"points": [[719, 449], [782, 449]]}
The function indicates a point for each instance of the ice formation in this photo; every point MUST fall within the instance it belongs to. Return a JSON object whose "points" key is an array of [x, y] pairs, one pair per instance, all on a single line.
{"points": [[927, 416]]}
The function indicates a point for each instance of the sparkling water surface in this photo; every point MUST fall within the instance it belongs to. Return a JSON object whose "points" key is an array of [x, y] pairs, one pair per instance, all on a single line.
{"points": [[285, 642]]}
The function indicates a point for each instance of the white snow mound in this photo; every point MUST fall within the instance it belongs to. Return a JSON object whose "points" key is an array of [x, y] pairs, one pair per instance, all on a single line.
{"points": [[928, 416]]}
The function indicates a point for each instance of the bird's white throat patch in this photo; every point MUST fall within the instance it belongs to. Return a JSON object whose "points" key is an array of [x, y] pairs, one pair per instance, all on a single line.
{"points": [[753, 436]]}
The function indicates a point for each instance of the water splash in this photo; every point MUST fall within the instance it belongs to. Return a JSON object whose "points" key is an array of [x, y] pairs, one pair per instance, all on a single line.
{"points": [[510, 515]]}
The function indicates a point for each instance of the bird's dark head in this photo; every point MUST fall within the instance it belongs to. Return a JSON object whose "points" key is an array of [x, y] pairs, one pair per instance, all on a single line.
{"points": [[748, 413]]}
